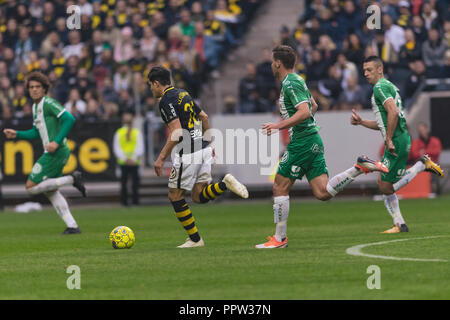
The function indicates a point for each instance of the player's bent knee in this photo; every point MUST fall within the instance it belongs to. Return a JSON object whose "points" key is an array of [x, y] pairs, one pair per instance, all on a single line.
{"points": [[175, 196], [323, 195]]}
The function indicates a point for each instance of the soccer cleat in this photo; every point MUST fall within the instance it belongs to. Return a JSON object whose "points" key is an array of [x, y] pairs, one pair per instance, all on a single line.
{"points": [[431, 166], [272, 243], [235, 186], [191, 244], [78, 182], [397, 229], [72, 231], [367, 165]]}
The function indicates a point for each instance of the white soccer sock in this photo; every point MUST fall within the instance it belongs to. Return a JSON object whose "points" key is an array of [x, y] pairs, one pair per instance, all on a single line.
{"points": [[392, 206], [341, 180], [280, 216], [409, 175], [62, 208], [50, 185]]}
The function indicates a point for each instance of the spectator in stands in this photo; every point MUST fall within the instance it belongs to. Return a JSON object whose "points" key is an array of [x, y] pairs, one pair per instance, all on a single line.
{"points": [[330, 87], [247, 85], [186, 24], [410, 51], [93, 112], [264, 74], [429, 15], [305, 48], [346, 69], [433, 52], [149, 43], [318, 68], [286, 38], [24, 44], [354, 51], [404, 16], [11, 34], [123, 49], [352, 95], [446, 35], [50, 44], [349, 20], [314, 31], [75, 105], [383, 48], [419, 29], [62, 31], [425, 143], [111, 34], [328, 49], [174, 38], [159, 25], [198, 13], [122, 78], [75, 45], [393, 33]]}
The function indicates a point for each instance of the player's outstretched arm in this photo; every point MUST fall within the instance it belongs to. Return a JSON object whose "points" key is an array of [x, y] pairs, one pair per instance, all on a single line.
{"points": [[357, 120], [31, 134]]}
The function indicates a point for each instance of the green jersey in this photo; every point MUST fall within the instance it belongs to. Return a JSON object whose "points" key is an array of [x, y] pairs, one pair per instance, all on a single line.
{"points": [[382, 91], [294, 92], [46, 120]]}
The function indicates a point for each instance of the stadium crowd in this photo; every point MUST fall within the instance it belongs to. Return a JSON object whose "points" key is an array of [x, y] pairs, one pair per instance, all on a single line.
{"points": [[98, 70], [332, 38]]}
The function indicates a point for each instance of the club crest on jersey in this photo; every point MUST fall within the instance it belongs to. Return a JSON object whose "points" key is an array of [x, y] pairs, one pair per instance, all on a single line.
{"points": [[386, 162], [37, 168], [285, 157], [173, 173]]}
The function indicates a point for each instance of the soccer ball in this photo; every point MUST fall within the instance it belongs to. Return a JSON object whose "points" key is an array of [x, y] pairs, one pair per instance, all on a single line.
{"points": [[122, 237]]}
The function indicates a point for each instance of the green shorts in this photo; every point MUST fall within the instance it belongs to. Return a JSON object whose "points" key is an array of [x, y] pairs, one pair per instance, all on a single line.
{"points": [[49, 165], [303, 156], [397, 163]]}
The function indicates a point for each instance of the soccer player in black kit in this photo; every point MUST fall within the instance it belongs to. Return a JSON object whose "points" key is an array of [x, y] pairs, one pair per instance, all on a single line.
{"points": [[192, 154]]}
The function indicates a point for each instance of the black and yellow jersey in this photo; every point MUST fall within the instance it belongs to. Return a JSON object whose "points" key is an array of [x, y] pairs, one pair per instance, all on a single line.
{"points": [[178, 104]]}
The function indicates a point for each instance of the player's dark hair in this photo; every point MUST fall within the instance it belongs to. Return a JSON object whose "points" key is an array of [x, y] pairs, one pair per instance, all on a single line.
{"points": [[285, 54], [38, 77], [160, 74], [375, 59]]}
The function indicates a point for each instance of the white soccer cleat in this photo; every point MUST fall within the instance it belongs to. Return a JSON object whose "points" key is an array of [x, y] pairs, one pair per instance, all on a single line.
{"points": [[191, 244], [235, 186]]}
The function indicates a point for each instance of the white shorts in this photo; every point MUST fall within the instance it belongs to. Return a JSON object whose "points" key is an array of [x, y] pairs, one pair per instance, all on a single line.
{"points": [[190, 169]]}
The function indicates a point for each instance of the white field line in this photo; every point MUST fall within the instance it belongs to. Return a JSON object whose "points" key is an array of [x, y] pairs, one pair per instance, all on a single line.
{"points": [[356, 250]]}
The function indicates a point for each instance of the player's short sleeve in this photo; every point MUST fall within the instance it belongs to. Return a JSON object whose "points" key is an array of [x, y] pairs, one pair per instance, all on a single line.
{"points": [[382, 93], [296, 92], [168, 112], [53, 107]]}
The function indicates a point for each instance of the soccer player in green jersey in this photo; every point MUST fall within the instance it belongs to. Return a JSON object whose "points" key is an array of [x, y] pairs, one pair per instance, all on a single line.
{"points": [[51, 123], [305, 153], [391, 122]]}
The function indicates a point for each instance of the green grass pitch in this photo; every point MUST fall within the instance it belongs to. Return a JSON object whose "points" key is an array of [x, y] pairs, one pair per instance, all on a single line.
{"points": [[34, 256]]}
